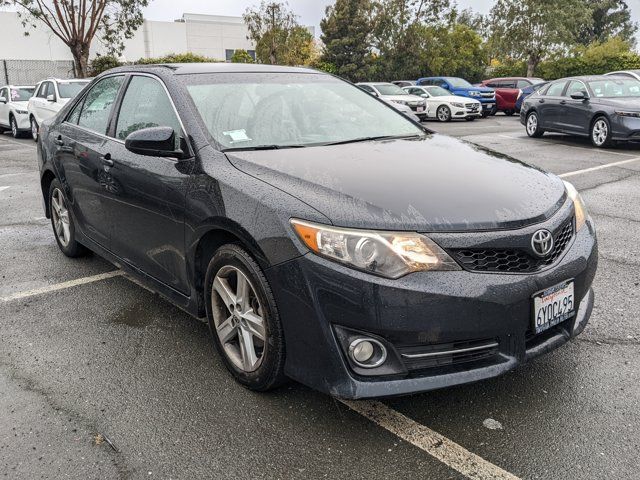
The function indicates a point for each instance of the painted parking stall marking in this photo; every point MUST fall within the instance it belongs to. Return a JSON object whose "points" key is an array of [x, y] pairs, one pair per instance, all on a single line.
{"points": [[441, 448], [599, 167], [61, 286]]}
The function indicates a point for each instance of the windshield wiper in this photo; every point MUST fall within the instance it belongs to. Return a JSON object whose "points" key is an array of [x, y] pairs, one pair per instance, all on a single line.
{"points": [[371, 139], [261, 147]]}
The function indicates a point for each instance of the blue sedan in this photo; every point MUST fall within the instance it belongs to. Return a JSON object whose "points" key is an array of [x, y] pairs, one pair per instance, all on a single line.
{"points": [[525, 92]]}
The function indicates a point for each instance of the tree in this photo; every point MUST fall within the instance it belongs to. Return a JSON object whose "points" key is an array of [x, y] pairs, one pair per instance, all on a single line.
{"points": [[347, 37], [278, 37], [241, 56], [609, 18], [78, 22], [531, 29], [399, 32]]}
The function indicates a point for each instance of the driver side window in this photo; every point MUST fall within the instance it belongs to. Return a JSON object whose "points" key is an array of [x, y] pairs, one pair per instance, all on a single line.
{"points": [[146, 104]]}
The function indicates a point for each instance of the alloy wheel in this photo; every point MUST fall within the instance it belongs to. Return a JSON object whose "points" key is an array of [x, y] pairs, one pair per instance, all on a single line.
{"points": [[60, 214], [532, 124], [600, 132], [14, 128], [443, 114], [238, 318]]}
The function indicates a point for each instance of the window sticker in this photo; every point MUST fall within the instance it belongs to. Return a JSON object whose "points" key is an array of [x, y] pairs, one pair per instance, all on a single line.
{"points": [[237, 135]]}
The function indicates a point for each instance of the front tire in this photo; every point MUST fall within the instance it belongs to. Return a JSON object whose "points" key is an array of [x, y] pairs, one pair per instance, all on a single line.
{"points": [[244, 320], [600, 133], [443, 114], [533, 125], [15, 133], [508, 113], [34, 129], [62, 222]]}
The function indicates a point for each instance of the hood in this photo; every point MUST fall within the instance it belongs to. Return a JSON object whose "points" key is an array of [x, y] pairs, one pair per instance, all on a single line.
{"points": [[63, 101], [625, 103], [404, 98], [433, 184], [455, 98], [21, 105]]}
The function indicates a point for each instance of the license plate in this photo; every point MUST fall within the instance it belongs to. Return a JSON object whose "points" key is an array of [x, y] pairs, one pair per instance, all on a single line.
{"points": [[553, 306], [420, 109]]}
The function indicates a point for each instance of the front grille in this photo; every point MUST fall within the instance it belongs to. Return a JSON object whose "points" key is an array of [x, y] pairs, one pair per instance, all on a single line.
{"points": [[488, 94], [444, 354], [514, 260], [472, 106]]}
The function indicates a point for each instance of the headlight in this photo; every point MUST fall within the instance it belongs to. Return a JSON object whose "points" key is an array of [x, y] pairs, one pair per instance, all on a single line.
{"points": [[578, 205], [401, 102], [474, 94], [457, 105], [388, 254], [22, 112], [623, 113]]}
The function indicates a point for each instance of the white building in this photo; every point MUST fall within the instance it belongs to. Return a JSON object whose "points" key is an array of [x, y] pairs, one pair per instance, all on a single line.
{"points": [[213, 36]]}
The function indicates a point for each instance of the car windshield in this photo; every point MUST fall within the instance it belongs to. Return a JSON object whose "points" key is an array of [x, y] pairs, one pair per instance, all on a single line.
{"points": [[280, 110], [438, 92], [21, 94], [70, 89], [615, 87], [389, 89], [458, 82]]}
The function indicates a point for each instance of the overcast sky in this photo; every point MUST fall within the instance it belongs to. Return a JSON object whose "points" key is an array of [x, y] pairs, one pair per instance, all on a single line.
{"points": [[309, 11]]}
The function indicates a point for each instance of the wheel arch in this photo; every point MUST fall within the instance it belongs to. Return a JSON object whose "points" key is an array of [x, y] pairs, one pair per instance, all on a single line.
{"points": [[45, 183], [208, 239]]}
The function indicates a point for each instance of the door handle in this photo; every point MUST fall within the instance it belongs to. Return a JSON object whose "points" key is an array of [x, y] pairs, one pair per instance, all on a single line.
{"points": [[106, 160], [58, 141]]}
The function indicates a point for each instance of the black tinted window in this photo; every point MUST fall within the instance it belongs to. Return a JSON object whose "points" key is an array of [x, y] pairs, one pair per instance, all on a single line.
{"points": [[145, 104], [98, 104]]}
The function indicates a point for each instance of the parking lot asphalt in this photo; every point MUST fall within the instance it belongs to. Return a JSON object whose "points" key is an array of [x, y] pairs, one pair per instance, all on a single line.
{"points": [[100, 378]]}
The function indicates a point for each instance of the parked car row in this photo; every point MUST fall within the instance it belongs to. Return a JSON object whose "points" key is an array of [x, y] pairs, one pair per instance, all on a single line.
{"points": [[23, 108], [606, 108]]}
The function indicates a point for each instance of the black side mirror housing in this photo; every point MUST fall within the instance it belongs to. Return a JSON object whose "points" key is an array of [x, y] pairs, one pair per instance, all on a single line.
{"points": [[154, 142], [580, 96]]}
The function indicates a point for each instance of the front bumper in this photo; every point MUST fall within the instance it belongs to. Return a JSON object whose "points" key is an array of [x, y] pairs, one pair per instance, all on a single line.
{"points": [[625, 128], [317, 298]]}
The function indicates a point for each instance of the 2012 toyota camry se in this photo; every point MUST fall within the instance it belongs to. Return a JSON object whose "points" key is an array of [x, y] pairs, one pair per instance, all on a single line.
{"points": [[326, 237]]}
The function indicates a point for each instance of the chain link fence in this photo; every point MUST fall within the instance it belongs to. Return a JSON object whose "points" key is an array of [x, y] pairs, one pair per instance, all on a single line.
{"points": [[30, 72]]}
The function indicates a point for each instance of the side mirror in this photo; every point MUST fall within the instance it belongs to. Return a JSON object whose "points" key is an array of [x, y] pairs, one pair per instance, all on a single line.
{"points": [[375, 94], [51, 98], [580, 96], [3, 99], [153, 142]]}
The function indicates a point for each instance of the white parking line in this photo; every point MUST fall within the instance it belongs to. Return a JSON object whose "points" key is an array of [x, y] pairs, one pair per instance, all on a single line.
{"points": [[3, 188], [441, 448], [599, 167], [61, 286], [17, 174], [26, 145]]}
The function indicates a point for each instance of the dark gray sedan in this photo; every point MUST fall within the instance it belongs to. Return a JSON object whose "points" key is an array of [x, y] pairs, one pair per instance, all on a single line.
{"points": [[605, 108]]}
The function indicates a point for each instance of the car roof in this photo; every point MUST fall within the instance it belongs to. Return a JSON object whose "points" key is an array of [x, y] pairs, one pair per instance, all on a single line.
{"points": [[585, 78], [374, 83], [220, 67]]}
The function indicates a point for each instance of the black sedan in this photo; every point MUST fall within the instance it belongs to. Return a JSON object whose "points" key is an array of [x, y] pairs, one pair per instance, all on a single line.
{"points": [[326, 237], [603, 108]]}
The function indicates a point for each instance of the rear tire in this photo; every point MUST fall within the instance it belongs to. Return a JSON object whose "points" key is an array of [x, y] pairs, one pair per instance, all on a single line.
{"points": [[62, 222], [600, 132], [508, 113], [532, 125], [244, 320]]}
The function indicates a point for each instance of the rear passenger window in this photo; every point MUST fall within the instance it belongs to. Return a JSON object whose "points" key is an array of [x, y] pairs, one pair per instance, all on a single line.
{"points": [[523, 84], [146, 104], [98, 104]]}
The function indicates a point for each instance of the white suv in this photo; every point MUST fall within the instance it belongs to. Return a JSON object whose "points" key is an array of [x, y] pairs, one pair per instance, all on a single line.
{"points": [[51, 95], [13, 108]]}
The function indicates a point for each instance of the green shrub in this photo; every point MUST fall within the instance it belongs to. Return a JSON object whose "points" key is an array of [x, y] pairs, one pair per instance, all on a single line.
{"points": [[102, 63], [241, 56], [178, 58]]}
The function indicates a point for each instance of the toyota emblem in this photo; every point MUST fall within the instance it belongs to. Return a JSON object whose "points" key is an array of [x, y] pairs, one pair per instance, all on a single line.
{"points": [[542, 243]]}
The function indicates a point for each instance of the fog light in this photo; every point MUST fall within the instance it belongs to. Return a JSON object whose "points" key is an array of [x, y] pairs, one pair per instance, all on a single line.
{"points": [[367, 352]]}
